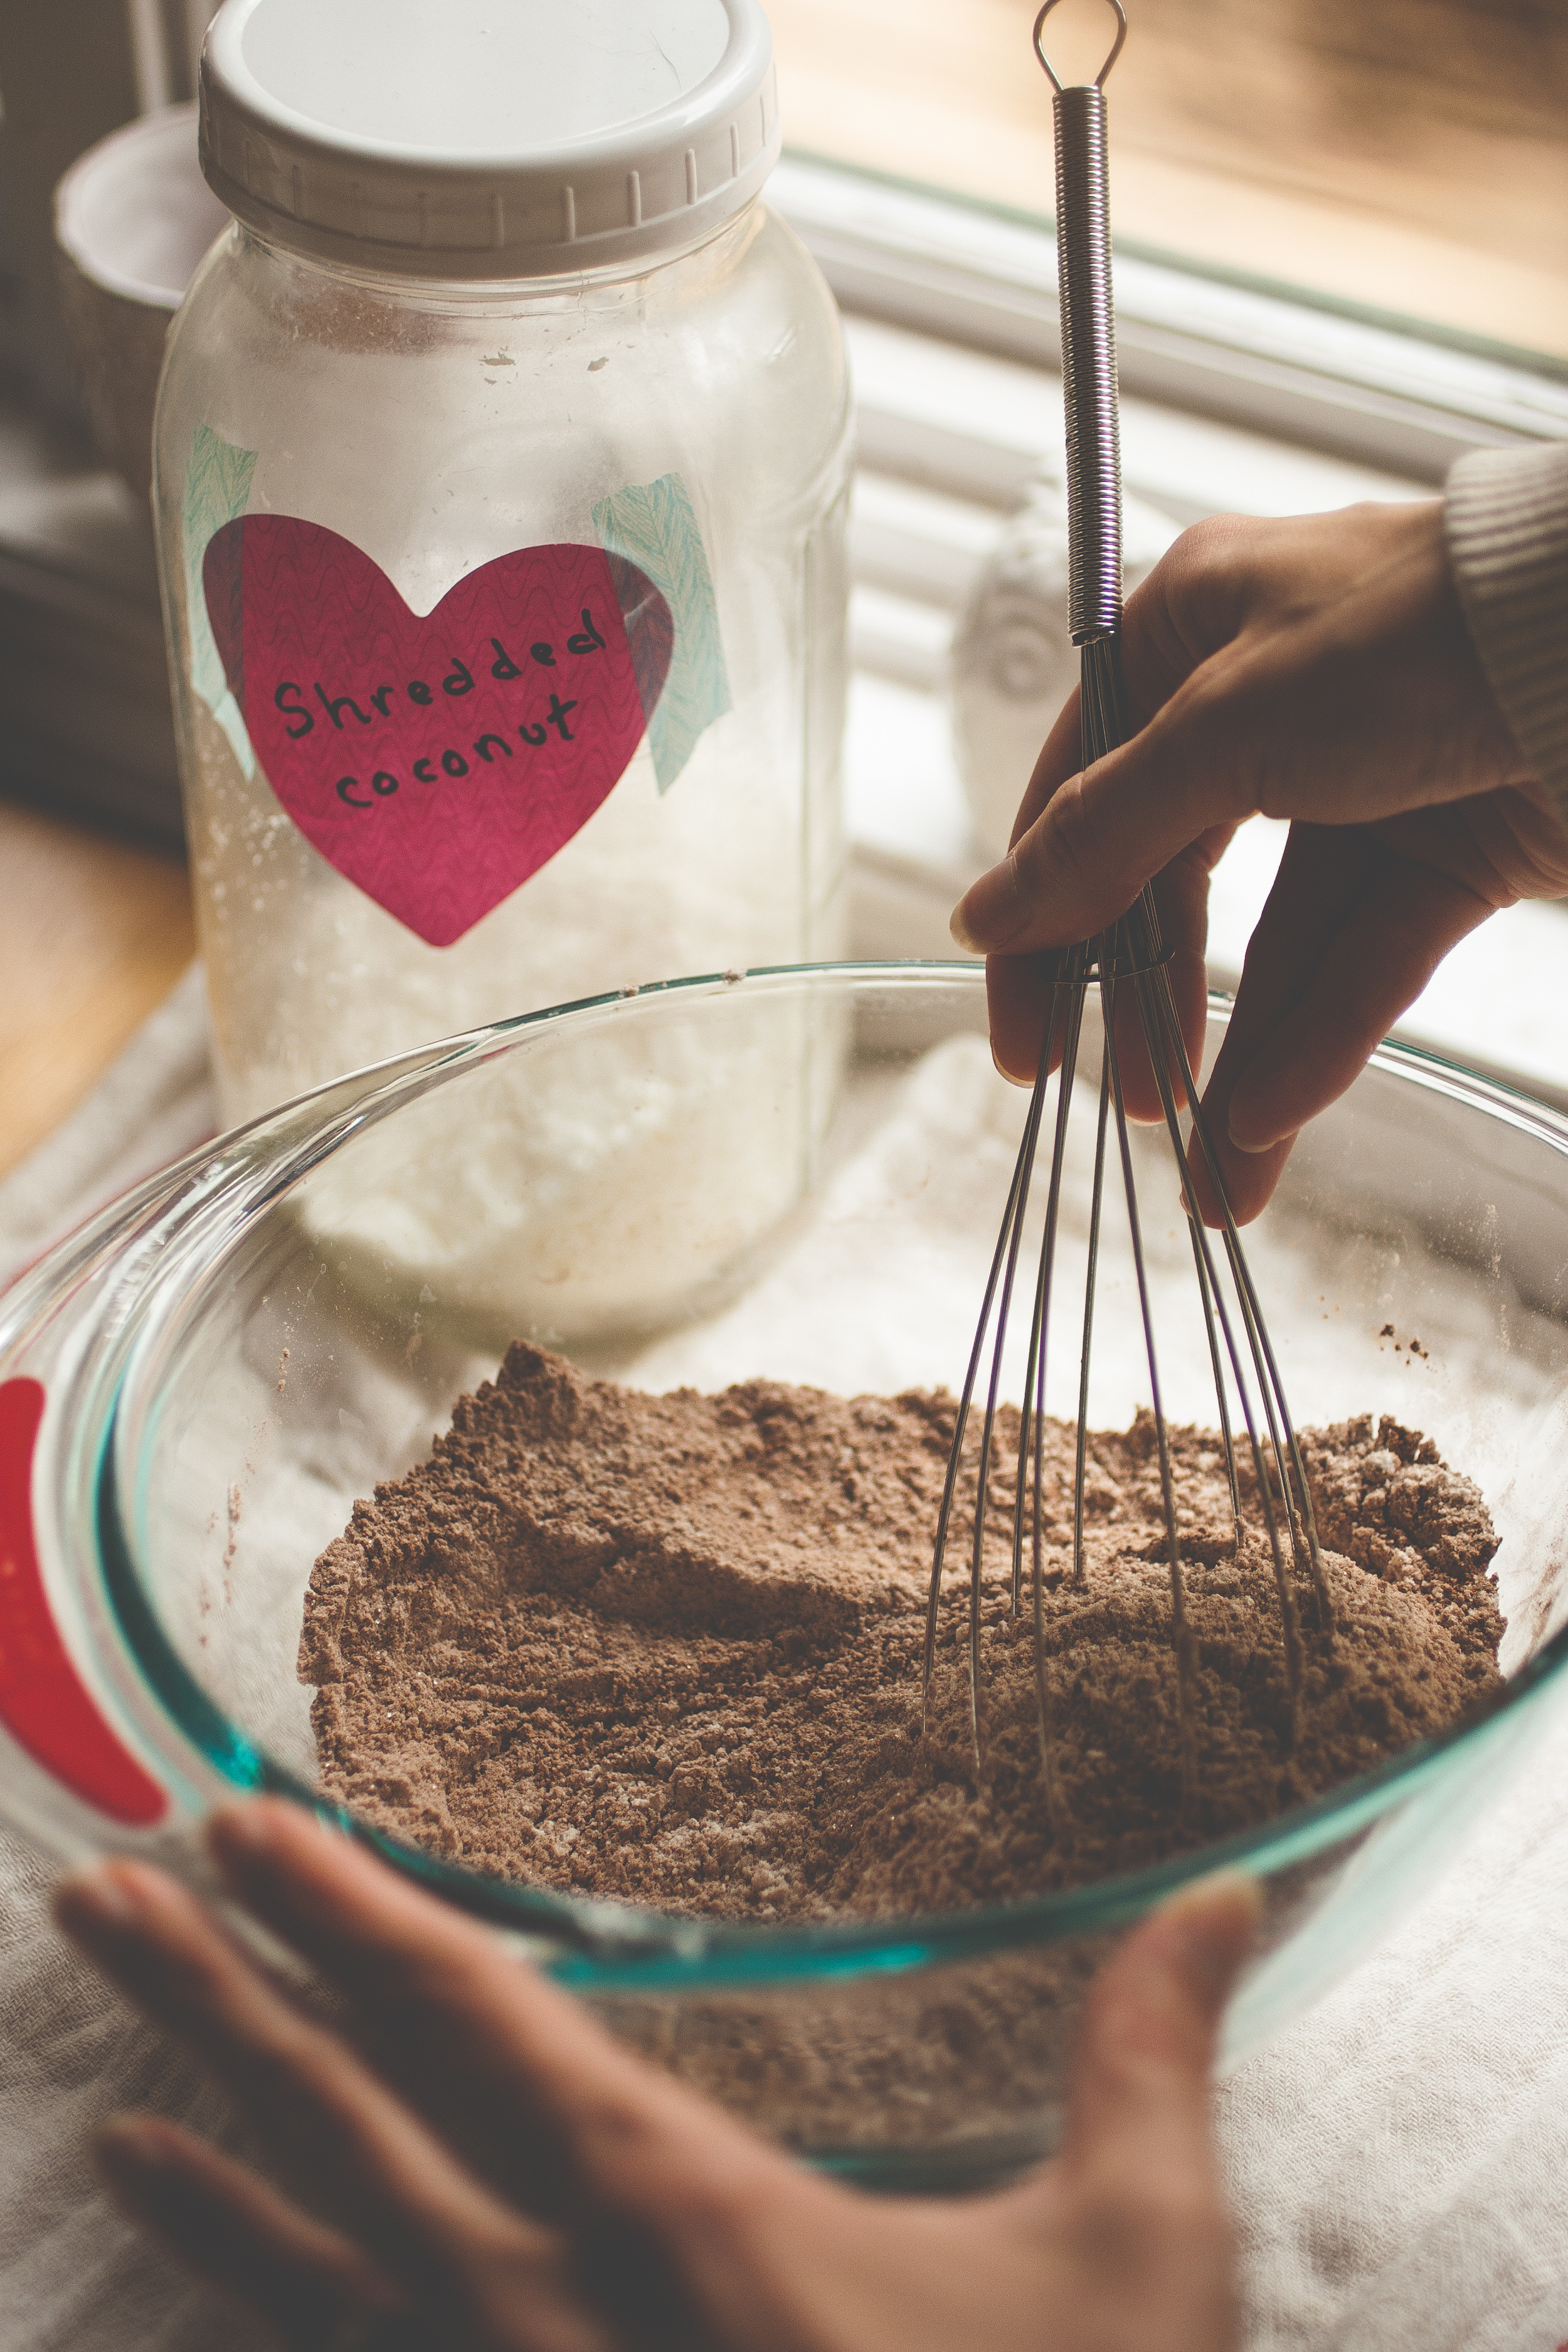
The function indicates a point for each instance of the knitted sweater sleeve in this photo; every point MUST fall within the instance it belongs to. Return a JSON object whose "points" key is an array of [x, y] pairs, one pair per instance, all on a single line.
{"points": [[1507, 520]]}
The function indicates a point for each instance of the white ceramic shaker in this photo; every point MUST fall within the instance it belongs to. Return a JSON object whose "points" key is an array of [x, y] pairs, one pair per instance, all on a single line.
{"points": [[1014, 662]]}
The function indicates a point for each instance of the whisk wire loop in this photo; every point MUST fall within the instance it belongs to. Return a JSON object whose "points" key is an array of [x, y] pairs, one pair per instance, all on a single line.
{"points": [[1097, 1196], [1161, 1026], [1297, 1503], [1034, 1362], [992, 1396], [1181, 1632], [1110, 60], [1021, 1167]]}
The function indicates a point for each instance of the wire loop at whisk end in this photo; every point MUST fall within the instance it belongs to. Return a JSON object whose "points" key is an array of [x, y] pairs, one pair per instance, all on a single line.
{"points": [[1115, 47]]}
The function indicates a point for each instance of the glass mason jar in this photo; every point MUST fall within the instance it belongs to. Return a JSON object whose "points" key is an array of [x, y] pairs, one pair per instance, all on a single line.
{"points": [[501, 485]]}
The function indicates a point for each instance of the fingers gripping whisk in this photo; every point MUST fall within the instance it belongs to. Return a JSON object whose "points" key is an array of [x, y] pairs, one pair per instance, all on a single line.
{"points": [[1127, 970]]}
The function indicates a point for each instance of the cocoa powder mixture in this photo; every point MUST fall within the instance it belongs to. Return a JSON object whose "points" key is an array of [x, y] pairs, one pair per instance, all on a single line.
{"points": [[668, 1648]]}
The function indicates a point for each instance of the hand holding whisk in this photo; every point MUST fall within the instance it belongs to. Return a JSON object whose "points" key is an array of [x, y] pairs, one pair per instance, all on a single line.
{"points": [[1128, 959]]}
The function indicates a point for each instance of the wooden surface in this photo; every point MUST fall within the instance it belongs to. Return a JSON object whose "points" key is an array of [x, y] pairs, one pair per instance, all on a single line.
{"points": [[1410, 155], [94, 932]]}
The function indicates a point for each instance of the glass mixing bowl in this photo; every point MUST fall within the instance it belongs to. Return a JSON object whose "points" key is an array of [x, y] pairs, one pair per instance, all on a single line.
{"points": [[796, 1174]]}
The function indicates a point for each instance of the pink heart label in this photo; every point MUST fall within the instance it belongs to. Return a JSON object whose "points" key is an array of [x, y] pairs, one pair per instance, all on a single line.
{"points": [[435, 761]]}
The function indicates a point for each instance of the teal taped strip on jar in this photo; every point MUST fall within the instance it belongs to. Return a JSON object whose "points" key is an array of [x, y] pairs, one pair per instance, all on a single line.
{"points": [[217, 490], [652, 525]]}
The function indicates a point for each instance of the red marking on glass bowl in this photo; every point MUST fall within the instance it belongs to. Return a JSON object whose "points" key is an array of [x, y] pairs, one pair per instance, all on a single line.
{"points": [[44, 1704]]}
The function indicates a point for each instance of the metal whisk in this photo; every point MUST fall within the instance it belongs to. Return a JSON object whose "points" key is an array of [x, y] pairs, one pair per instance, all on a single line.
{"points": [[1128, 957]]}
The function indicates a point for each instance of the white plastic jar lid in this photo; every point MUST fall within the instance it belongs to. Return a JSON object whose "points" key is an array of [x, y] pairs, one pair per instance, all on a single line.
{"points": [[480, 139]]}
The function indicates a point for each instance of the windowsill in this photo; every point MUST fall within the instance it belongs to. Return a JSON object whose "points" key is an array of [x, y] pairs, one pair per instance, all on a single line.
{"points": [[1292, 370]]}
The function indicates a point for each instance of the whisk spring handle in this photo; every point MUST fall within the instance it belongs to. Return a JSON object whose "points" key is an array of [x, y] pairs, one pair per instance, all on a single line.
{"points": [[1088, 365]]}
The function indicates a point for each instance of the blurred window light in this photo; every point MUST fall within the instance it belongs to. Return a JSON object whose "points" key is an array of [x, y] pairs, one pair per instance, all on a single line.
{"points": [[1407, 159]]}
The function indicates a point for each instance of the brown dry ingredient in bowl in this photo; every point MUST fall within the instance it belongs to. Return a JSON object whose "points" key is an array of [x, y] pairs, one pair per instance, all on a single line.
{"points": [[668, 1648]]}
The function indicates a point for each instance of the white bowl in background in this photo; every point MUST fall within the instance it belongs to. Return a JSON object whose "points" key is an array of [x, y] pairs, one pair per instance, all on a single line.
{"points": [[133, 217]]}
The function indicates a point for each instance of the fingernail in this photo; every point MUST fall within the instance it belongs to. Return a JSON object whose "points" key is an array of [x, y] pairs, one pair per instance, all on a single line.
{"points": [[243, 1843], [1241, 1142], [960, 933], [241, 1829], [1253, 1150], [1207, 1929], [991, 911], [100, 1896]]}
